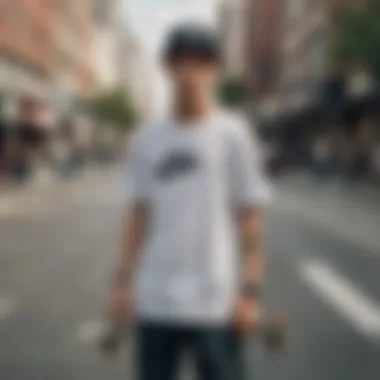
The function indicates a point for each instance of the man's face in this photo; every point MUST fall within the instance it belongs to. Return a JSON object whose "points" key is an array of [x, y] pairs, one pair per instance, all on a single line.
{"points": [[192, 76]]}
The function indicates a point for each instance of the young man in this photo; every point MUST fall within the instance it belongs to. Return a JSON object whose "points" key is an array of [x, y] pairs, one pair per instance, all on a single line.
{"points": [[191, 265]]}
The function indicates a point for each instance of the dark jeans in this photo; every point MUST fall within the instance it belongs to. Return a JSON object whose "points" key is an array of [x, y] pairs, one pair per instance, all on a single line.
{"points": [[217, 352]]}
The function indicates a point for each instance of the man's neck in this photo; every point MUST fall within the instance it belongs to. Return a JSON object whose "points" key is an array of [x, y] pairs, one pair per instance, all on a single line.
{"points": [[191, 113]]}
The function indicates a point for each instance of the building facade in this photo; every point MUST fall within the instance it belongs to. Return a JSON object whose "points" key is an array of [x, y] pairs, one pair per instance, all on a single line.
{"points": [[288, 62], [309, 73], [135, 73], [263, 50], [26, 50], [118, 56], [231, 28], [105, 12], [85, 71], [106, 42], [73, 34], [304, 52]]}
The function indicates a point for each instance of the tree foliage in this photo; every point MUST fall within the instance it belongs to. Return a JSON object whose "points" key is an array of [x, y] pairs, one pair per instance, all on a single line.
{"points": [[232, 91], [357, 41], [115, 107]]}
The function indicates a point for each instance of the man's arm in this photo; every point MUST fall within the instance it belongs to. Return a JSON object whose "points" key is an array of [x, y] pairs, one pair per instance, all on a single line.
{"points": [[135, 219], [248, 310], [251, 242], [133, 236], [250, 194]]}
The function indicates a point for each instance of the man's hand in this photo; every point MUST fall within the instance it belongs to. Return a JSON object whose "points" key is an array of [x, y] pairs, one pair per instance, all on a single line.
{"points": [[120, 315], [248, 307], [120, 309], [120, 304], [247, 315]]}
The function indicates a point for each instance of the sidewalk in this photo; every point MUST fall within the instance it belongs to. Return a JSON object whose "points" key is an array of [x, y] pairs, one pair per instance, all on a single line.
{"points": [[354, 216], [15, 199], [12, 194]]}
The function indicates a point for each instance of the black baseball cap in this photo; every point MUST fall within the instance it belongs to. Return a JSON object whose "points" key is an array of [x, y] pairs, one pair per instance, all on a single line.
{"points": [[192, 39]]}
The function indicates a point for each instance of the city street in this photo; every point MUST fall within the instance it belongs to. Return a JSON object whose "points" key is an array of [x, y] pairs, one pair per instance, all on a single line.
{"points": [[57, 246]]}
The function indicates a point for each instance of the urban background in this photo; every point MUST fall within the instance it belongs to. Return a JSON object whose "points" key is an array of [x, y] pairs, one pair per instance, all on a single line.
{"points": [[309, 71], [76, 80], [73, 78]]}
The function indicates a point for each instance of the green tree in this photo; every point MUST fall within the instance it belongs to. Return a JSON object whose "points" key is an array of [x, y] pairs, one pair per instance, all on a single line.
{"points": [[115, 107], [357, 42], [232, 91]]}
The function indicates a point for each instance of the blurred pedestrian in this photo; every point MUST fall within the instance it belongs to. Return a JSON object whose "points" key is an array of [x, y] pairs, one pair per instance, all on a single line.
{"points": [[3, 147], [197, 189], [61, 153], [27, 141], [375, 159], [322, 158], [360, 156]]}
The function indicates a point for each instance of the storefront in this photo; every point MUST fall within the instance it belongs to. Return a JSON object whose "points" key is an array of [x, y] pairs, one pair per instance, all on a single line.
{"points": [[17, 81]]}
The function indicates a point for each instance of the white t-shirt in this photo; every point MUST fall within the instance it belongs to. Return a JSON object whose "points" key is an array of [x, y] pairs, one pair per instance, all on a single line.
{"points": [[193, 177]]}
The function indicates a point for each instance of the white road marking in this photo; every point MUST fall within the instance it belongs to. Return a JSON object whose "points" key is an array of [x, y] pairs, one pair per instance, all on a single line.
{"points": [[7, 307], [349, 301], [90, 332]]}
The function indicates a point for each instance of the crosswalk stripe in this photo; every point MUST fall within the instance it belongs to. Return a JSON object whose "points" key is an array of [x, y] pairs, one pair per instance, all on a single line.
{"points": [[349, 301]]}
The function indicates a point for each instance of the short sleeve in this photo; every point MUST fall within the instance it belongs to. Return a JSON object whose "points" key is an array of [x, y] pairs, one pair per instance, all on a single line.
{"points": [[137, 172], [250, 186]]}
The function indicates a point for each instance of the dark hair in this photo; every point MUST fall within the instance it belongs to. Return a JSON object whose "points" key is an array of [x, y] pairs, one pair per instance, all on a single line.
{"points": [[192, 40]]}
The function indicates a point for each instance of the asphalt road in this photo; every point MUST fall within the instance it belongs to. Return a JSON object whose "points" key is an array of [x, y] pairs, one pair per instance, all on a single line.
{"points": [[57, 246]]}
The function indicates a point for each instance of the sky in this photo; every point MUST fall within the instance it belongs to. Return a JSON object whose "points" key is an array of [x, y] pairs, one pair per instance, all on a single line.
{"points": [[150, 20]]}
